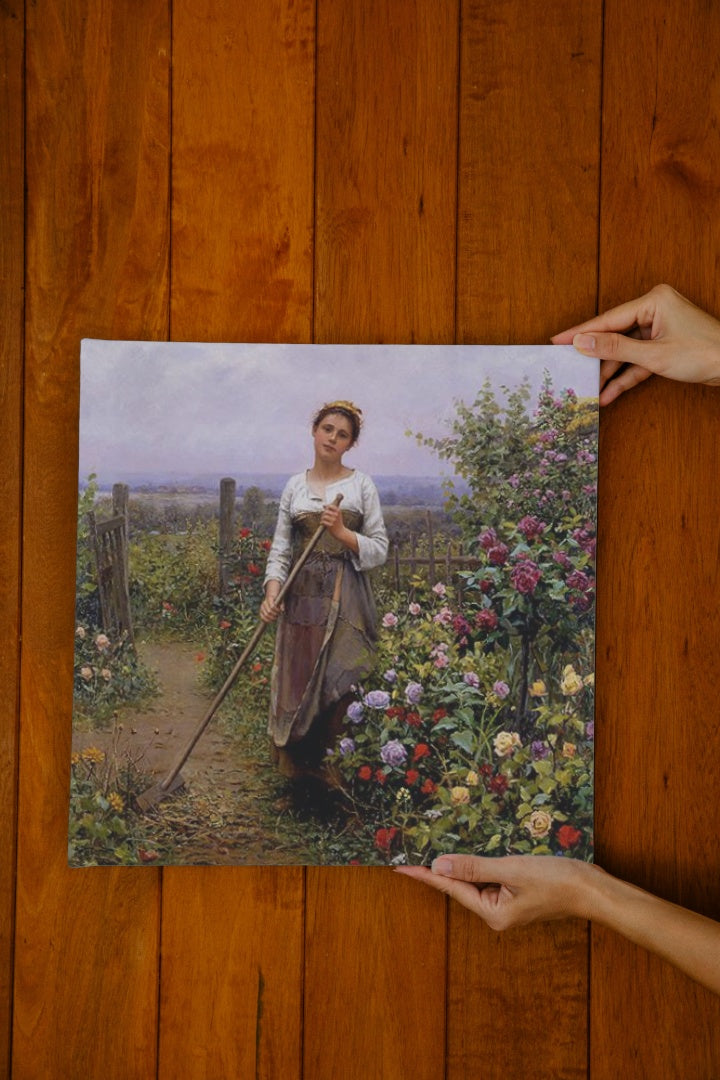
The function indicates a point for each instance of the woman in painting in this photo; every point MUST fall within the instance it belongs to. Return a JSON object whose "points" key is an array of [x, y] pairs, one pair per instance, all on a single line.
{"points": [[326, 635]]}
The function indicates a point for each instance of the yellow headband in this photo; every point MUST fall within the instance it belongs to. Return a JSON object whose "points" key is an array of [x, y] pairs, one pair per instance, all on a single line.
{"points": [[348, 406]]}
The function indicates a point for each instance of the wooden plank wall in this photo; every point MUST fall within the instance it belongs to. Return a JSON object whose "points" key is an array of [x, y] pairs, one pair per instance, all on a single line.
{"points": [[376, 170]]}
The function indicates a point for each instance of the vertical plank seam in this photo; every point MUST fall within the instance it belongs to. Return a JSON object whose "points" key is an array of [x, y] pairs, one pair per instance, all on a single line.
{"points": [[313, 264], [458, 134], [598, 261], [19, 562], [171, 16], [457, 169], [169, 212], [598, 293]]}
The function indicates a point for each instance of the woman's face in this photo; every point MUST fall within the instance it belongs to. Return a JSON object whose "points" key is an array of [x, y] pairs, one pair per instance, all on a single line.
{"points": [[332, 437]]}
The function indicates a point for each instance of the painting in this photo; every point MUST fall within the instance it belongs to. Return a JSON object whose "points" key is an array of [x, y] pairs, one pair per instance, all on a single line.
{"points": [[334, 604]]}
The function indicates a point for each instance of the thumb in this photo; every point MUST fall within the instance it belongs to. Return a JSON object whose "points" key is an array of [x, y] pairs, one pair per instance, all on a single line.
{"points": [[620, 349]]}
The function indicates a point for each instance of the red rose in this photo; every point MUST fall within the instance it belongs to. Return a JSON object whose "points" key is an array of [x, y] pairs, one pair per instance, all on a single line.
{"points": [[487, 619], [244, 533], [365, 772], [266, 544], [498, 554], [422, 750], [395, 712], [414, 719], [224, 625], [429, 787], [438, 715], [253, 568], [411, 777], [568, 836], [499, 784], [380, 776], [384, 838]]}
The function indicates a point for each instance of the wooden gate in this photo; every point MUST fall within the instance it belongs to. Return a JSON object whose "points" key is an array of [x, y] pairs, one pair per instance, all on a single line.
{"points": [[109, 540]]}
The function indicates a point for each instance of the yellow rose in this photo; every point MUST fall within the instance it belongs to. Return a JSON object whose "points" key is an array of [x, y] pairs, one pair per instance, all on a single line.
{"points": [[459, 795], [589, 680], [538, 688], [539, 823], [506, 742], [472, 779], [571, 683]]}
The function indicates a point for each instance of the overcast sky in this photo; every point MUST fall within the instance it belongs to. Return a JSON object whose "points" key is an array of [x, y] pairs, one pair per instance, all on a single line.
{"points": [[174, 408]]}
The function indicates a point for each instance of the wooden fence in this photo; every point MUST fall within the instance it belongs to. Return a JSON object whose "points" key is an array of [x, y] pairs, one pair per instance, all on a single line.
{"points": [[109, 541]]}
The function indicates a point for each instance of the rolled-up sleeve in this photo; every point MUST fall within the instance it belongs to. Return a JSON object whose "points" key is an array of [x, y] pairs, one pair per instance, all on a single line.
{"points": [[279, 557], [373, 539]]}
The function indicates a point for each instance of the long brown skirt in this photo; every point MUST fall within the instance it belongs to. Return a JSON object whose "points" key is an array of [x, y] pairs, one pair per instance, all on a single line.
{"points": [[325, 645]]}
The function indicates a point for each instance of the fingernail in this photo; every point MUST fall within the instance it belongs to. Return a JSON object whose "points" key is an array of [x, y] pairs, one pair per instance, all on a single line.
{"points": [[442, 866], [585, 341]]}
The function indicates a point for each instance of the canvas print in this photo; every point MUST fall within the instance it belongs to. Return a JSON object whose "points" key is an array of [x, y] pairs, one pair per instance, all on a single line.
{"points": [[334, 605]]}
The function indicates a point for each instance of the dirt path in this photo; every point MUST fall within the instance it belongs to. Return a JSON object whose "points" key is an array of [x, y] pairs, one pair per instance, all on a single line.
{"points": [[225, 812], [155, 735]]}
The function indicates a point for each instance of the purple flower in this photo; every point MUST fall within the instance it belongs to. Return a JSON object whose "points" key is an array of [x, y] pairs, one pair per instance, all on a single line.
{"points": [[346, 746], [498, 554], [539, 749], [471, 679], [501, 689], [377, 699], [394, 753], [531, 528], [590, 730], [562, 559], [355, 711], [413, 693], [578, 580], [525, 577], [390, 675], [487, 539]]}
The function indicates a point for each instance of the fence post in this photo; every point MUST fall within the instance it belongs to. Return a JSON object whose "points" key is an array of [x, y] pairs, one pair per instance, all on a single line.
{"points": [[227, 526], [121, 508], [431, 550]]}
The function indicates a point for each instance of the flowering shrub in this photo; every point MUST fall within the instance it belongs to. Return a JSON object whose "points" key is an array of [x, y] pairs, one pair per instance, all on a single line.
{"points": [[476, 732], [103, 827], [107, 673]]}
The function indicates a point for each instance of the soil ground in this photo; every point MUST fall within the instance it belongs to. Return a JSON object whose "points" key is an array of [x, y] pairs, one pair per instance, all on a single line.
{"points": [[234, 806]]}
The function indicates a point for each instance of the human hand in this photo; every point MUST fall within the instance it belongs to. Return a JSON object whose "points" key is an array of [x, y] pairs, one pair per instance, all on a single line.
{"points": [[332, 519], [269, 610], [660, 333], [513, 890]]}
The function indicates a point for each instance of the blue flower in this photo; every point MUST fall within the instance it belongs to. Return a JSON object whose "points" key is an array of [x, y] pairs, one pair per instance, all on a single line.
{"points": [[377, 699], [355, 711]]}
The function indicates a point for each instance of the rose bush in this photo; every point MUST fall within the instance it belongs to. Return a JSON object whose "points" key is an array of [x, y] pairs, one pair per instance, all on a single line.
{"points": [[491, 700]]}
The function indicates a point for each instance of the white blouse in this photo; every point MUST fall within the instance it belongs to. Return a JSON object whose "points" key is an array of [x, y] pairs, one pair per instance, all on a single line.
{"points": [[359, 494]]}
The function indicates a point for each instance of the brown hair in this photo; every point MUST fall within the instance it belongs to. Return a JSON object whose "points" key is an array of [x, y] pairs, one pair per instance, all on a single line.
{"points": [[346, 409]]}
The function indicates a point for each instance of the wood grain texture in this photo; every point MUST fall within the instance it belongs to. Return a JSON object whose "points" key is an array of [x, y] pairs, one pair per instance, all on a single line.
{"points": [[658, 665], [97, 233], [386, 129], [386, 172], [12, 241], [529, 159], [527, 243], [243, 139], [243, 136]]}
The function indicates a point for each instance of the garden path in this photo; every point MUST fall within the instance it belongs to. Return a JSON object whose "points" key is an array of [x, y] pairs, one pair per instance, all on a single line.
{"points": [[223, 814]]}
